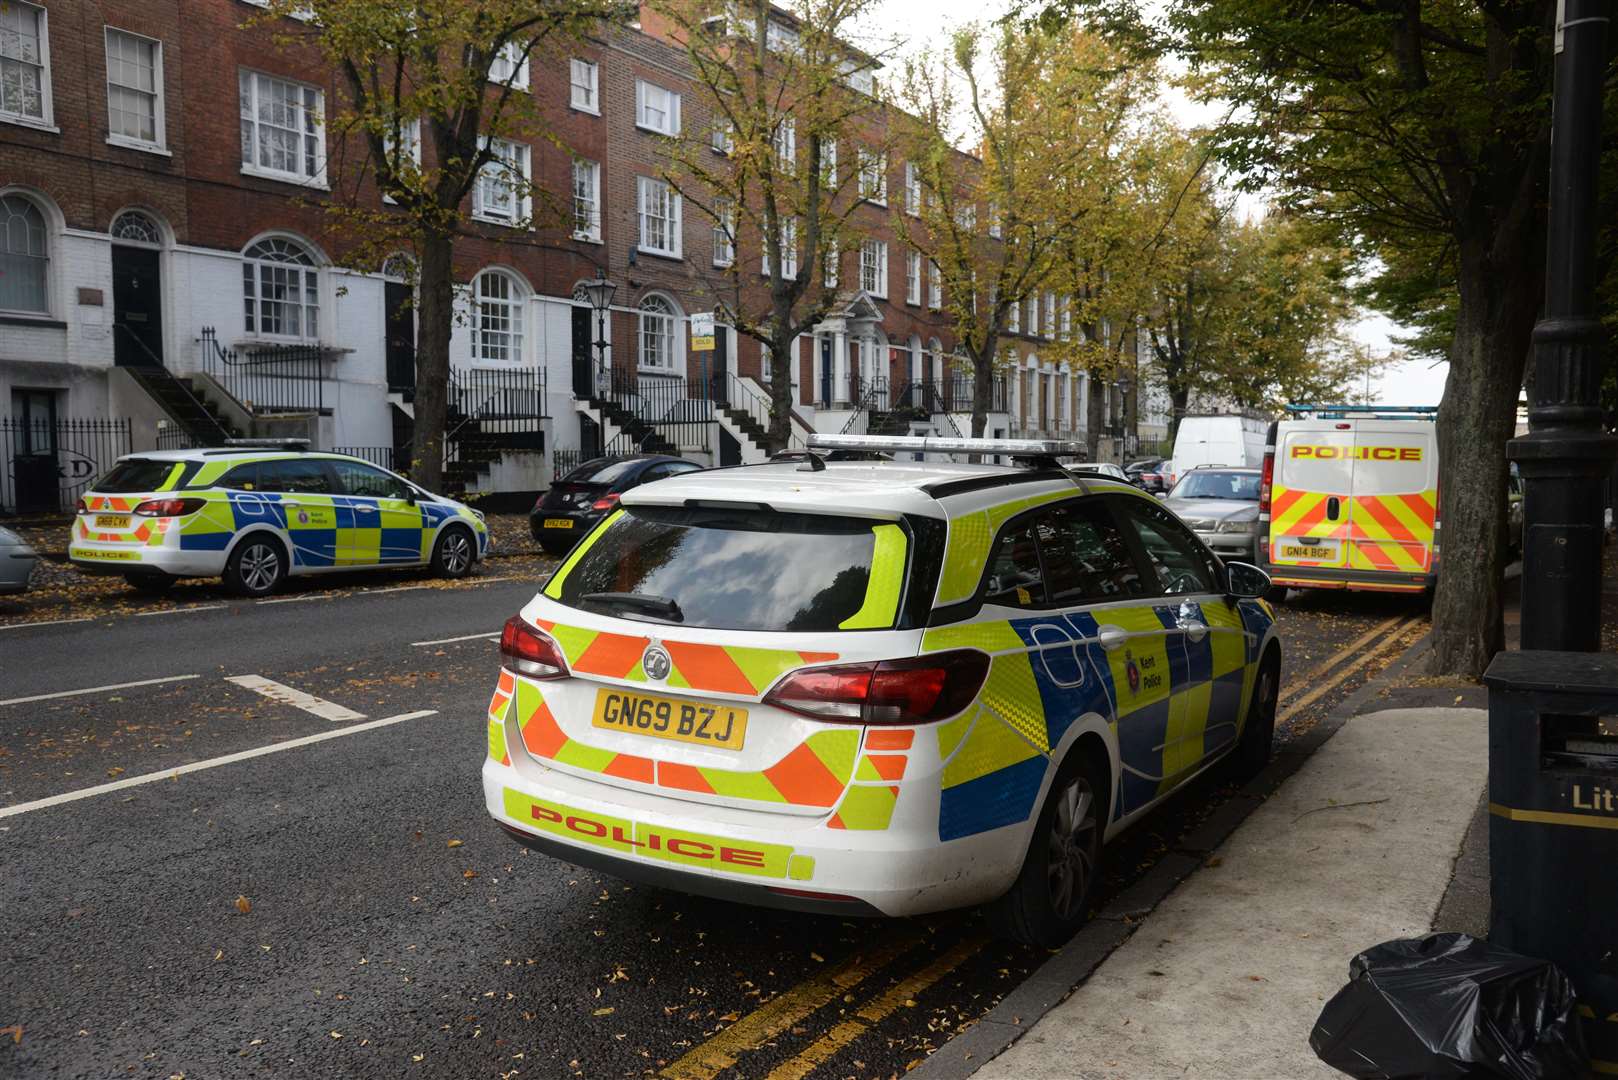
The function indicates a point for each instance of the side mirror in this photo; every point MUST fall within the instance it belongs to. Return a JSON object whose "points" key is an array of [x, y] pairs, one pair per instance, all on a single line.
{"points": [[1245, 581]]}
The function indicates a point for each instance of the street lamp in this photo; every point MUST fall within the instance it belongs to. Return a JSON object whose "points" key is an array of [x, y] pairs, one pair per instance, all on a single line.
{"points": [[1124, 387], [598, 291]]}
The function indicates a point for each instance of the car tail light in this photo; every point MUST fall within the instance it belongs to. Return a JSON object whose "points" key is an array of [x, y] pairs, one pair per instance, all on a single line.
{"points": [[911, 691], [169, 507], [1266, 482], [606, 502], [81, 507], [529, 651]]}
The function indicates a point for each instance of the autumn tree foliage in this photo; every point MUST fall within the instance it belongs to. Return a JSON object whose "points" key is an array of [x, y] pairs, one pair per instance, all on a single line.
{"points": [[429, 91]]}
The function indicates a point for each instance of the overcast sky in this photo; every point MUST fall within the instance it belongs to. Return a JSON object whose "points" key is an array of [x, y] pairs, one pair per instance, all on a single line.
{"points": [[912, 26]]}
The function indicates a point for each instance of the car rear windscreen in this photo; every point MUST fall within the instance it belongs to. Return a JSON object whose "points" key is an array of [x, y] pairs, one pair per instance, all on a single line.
{"points": [[601, 472], [135, 474], [740, 570]]}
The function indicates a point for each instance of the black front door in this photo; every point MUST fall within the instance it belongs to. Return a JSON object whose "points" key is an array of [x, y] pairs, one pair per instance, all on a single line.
{"points": [[35, 475], [401, 307], [721, 361], [137, 307], [583, 343]]}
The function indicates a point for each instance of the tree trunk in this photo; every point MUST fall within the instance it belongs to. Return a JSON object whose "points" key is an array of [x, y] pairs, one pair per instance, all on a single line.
{"points": [[783, 361], [436, 322], [1179, 401], [982, 383], [1500, 294], [1095, 417]]}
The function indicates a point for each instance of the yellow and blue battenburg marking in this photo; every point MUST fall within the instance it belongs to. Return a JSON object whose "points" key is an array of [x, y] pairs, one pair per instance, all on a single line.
{"points": [[1172, 704], [326, 530]]}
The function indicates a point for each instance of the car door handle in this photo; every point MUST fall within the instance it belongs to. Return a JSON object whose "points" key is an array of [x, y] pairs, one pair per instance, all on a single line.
{"points": [[1189, 620], [364, 509], [1112, 638]]}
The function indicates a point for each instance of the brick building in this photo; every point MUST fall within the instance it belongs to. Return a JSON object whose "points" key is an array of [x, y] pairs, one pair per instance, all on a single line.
{"points": [[164, 257]]}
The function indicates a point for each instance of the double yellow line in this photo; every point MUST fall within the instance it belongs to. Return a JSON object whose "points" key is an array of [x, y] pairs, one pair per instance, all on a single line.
{"points": [[1312, 685], [782, 1013]]}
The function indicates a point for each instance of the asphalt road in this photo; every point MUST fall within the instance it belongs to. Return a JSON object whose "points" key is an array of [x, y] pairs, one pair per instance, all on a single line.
{"points": [[391, 929]]}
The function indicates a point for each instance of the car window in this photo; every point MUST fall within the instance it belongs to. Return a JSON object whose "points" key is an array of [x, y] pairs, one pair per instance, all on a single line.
{"points": [[242, 478], [744, 569], [135, 474], [1212, 484], [656, 472], [601, 471], [357, 479], [294, 476], [1014, 578], [1180, 561], [678, 467], [1087, 559]]}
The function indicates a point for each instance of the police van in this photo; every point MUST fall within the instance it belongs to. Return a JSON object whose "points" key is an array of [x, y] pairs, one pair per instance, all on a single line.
{"points": [[877, 687], [1349, 498]]}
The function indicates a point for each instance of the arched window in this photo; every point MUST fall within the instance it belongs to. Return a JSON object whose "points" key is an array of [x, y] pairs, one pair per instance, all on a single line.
{"points": [[657, 333], [24, 257], [497, 327], [281, 289], [136, 227]]}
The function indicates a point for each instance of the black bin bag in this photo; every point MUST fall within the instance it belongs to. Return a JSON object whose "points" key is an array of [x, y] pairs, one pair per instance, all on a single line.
{"points": [[1448, 1005]]}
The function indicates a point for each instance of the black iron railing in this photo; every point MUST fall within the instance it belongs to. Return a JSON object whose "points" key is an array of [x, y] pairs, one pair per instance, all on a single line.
{"points": [[664, 412], [174, 437], [377, 455], [269, 379], [564, 461], [742, 397], [955, 394], [45, 465], [513, 396]]}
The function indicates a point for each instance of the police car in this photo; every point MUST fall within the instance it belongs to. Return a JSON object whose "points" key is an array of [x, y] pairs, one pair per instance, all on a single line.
{"points": [[255, 515], [877, 687]]}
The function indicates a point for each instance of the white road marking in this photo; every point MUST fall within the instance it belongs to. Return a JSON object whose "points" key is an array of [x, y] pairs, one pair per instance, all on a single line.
{"points": [[489, 580], [97, 689], [180, 610], [298, 599], [46, 622], [396, 588], [463, 637], [286, 695], [211, 763]]}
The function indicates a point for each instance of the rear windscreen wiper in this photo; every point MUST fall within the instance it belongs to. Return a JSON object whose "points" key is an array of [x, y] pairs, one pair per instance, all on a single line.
{"points": [[652, 605]]}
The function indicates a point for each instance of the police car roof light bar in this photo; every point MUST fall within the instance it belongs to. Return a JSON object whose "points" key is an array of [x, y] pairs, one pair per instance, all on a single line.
{"points": [[1035, 452], [1386, 412], [269, 444]]}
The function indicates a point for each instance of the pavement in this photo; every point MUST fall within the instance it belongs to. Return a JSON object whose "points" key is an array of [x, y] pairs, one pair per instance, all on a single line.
{"points": [[1228, 975]]}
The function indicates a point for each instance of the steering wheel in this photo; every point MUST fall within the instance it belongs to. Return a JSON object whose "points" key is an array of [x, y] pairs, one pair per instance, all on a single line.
{"points": [[1184, 583]]}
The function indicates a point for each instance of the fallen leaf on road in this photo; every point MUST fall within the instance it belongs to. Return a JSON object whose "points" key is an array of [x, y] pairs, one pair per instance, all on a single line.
{"points": [[817, 958], [219, 954], [454, 843], [1256, 978], [608, 1011], [469, 874], [244, 905], [337, 1034], [15, 1031], [417, 1057], [117, 770]]}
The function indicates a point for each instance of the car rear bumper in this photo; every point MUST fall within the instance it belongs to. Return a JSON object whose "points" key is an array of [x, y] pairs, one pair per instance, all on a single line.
{"points": [[1233, 545], [582, 523], [1326, 577], [95, 557]]}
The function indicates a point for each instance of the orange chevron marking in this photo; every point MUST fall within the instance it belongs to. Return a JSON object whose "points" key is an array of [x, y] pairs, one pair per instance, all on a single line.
{"points": [[802, 778], [890, 739], [630, 767], [613, 655], [709, 667], [541, 734], [683, 777]]}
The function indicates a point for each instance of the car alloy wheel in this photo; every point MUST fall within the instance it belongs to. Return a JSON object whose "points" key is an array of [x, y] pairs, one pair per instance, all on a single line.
{"points": [[457, 553], [1071, 862], [260, 567]]}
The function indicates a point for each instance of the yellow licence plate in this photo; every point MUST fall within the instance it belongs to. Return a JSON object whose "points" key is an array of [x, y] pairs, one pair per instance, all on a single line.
{"points": [[112, 521], [1297, 551], [696, 722], [558, 523]]}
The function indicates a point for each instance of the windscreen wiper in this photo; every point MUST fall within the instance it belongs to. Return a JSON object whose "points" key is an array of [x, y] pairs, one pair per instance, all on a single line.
{"points": [[653, 605]]}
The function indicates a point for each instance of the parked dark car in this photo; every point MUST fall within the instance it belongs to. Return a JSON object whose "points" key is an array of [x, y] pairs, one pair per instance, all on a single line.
{"points": [[1149, 475], [588, 493]]}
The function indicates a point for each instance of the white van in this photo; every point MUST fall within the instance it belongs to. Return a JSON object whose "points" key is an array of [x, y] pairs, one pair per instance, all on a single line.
{"points": [[1349, 499], [1235, 442]]}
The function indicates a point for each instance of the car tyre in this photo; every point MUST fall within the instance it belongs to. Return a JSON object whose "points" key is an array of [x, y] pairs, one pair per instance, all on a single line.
{"points": [[454, 553], [1050, 898], [257, 567], [151, 584], [1257, 740]]}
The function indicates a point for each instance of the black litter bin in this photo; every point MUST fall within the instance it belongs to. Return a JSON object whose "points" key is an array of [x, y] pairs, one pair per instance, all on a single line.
{"points": [[1553, 825]]}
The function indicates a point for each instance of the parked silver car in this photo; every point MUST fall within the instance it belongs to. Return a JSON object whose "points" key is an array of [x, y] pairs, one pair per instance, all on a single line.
{"points": [[1221, 506], [17, 561]]}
